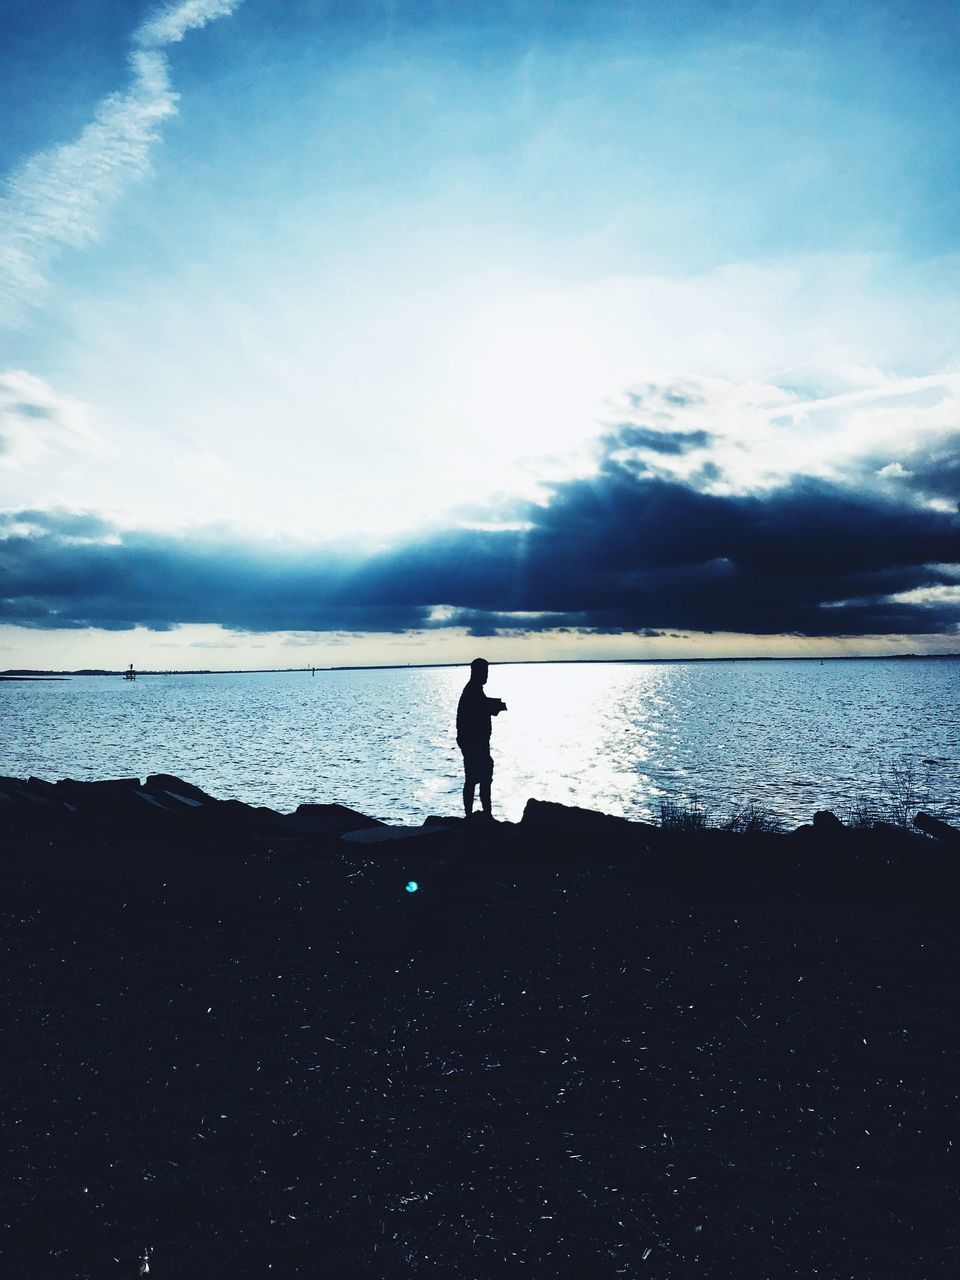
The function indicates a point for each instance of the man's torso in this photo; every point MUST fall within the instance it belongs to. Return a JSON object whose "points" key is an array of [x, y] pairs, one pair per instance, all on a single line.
{"points": [[473, 717]]}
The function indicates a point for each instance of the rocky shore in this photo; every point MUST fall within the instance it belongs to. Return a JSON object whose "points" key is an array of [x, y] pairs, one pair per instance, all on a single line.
{"points": [[243, 1043]]}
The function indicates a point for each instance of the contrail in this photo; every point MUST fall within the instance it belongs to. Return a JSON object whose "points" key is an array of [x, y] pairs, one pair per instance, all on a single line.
{"points": [[59, 197], [171, 23], [886, 391]]}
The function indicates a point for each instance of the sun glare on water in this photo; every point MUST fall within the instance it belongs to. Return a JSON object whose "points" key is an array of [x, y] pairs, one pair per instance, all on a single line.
{"points": [[559, 745]]}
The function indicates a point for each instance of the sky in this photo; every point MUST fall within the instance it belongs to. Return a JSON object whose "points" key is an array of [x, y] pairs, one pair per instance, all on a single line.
{"points": [[373, 332]]}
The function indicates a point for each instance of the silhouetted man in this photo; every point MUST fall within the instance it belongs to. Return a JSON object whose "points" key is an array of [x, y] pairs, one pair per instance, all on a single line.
{"points": [[473, 736]]}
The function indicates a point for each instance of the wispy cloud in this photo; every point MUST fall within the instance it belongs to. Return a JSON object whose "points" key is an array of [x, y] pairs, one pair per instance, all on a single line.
{"points": [[35, 419], [59, 197]]}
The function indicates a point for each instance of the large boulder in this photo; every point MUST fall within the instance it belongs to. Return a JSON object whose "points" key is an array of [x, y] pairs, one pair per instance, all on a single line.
{"points": [[567, 827], [328, 820], [825, 820]]}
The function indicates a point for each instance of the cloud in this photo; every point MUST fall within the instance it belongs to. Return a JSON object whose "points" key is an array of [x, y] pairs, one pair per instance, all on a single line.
{"points": [[60, 197], [622, 550], [34, 419], [173, 22], [933, 469], [659, 441], [748, 437]]}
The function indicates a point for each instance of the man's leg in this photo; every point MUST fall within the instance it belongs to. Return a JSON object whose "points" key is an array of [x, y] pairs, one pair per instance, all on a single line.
{"points": [[485, 784], [470, 780]]}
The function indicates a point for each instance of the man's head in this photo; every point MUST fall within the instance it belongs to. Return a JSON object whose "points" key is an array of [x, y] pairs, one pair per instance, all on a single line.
{"points": [[479, 668]]}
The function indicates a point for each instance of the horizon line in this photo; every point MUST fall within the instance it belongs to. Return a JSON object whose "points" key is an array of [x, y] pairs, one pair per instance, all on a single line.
{"points": [[422, 666]]}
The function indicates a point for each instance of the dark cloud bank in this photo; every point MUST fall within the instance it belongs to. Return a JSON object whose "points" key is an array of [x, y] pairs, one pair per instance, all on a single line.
{"points": [[625, 550]]}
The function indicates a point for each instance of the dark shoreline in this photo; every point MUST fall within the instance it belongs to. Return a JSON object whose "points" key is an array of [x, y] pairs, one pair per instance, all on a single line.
{"points": [[583, 1047], [33, 679]]}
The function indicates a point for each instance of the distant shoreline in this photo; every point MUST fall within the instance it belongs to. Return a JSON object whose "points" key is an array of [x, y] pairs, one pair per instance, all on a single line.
{"points": [[15, 674], [33, 679]]}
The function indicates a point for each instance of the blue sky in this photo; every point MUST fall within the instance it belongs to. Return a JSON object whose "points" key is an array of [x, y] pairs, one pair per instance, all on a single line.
{"points": [[356, 332]]}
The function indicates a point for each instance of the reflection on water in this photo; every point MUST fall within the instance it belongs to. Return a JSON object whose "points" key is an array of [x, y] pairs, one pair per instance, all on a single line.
{"points": [[791, 736]]}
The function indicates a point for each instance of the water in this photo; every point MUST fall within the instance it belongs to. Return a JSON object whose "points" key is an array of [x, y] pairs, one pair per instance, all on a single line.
{"points": [[791, 736]]}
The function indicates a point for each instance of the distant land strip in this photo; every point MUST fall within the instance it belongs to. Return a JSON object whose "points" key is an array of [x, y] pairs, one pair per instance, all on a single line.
{"points": [[15, 674], [32, 679]]}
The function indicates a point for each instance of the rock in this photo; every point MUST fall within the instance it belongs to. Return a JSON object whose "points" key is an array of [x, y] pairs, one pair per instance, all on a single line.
{"points": [[236, 814], [565, 823], [46, 790], [112, 797], [824, 820], [382, 834], [893, 831], [176, 788], [28, 794], [328, 820], [166, 805], [105, 788], [935, 827]]}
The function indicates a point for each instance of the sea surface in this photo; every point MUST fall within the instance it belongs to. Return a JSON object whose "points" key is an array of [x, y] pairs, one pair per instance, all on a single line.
{"points": [[790, 736]]}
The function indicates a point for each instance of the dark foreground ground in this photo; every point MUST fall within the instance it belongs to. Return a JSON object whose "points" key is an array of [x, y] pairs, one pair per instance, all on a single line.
{"points": [[576, 1051]]}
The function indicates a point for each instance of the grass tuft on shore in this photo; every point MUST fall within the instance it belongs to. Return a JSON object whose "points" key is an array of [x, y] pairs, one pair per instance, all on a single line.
{"points": [[903, 790], [746, 819], [693, 816]]}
